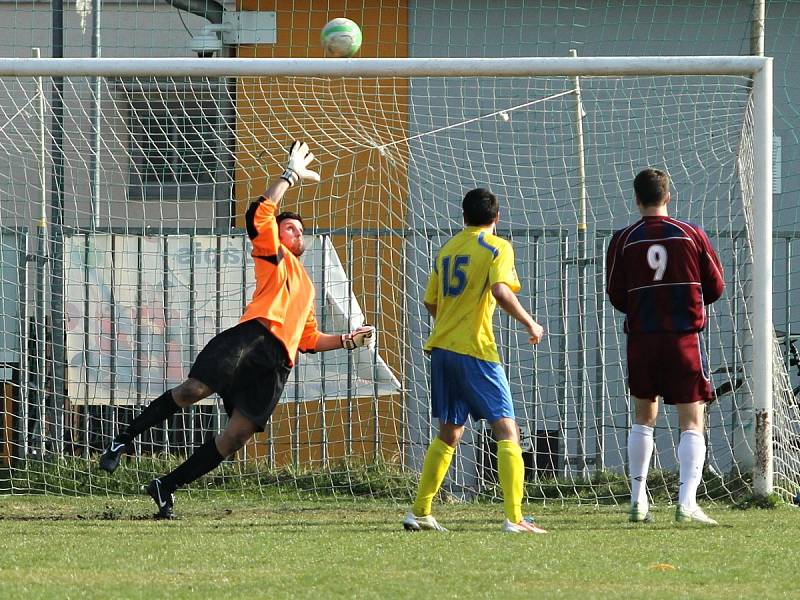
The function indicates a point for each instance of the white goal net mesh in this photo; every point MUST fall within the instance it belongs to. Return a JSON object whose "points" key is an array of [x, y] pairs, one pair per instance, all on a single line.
{"points": [[142, 257]]}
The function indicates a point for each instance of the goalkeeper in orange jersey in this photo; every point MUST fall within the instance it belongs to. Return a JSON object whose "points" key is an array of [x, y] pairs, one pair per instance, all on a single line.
{"points": [[248, 365], [473, 272]]}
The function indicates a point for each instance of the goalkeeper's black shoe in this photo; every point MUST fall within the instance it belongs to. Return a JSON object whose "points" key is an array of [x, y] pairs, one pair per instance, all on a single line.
{"points": [[109, 459], [164, 499]]}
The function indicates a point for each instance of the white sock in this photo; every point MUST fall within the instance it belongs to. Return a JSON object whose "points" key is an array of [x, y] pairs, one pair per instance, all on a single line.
{"points": [[640, 451], [691, 456]]}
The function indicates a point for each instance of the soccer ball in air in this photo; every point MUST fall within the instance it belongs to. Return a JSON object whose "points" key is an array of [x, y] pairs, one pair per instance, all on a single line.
{"points": [[341, 38]]}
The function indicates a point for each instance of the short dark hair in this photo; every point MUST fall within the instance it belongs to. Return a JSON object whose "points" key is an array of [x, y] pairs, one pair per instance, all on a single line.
{"points": [[651, 187], [287, 214], [480, 207]]}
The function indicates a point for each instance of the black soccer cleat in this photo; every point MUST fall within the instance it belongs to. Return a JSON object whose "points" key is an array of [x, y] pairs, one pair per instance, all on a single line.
{"points": [[109, 459], [164, 499]]}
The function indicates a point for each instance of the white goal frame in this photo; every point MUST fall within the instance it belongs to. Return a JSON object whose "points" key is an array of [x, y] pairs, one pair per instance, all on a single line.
{"points": [[756, 67]]}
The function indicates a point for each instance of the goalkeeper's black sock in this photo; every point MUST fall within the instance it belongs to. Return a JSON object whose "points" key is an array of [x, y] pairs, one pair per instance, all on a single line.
{"points": [[206, 458], [156, 412]]}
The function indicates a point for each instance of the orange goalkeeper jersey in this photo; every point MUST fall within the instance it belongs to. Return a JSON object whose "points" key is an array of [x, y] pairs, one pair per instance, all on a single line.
{"points": [[284, 294]]}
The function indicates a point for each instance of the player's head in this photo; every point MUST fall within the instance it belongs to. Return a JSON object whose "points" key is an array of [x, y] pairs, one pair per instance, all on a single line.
{"points": [[651, 187], [290, 232], [480, 207]]}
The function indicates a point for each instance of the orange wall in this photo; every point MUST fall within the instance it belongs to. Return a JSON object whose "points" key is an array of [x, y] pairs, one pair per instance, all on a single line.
{"points": [[360, 189]]}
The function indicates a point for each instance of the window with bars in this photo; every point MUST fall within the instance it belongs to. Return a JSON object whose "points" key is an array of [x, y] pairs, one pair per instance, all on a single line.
{"points": [[174, 144]]}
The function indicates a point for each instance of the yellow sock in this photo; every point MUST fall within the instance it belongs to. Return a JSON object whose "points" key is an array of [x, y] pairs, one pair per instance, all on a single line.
{"points": [[511, 470], [437, 461]]}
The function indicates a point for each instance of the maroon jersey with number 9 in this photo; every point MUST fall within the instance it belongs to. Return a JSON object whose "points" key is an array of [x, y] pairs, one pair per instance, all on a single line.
{"points": [[661, 272]]}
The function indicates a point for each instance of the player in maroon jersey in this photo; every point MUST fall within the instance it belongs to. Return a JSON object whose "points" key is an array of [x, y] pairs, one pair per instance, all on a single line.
{"points": [[662, 272]]}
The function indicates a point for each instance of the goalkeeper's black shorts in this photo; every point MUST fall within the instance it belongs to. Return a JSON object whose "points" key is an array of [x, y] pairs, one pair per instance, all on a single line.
{"points": [[248, 367]]}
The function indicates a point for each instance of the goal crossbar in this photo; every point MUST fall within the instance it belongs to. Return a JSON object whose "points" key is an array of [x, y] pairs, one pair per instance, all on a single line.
{"points": [[386, 67]]}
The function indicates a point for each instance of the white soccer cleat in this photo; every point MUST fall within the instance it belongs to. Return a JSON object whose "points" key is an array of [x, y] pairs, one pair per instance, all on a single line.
{"points": [[639, 513], [693, 515], [413, 523], [525, 526]]}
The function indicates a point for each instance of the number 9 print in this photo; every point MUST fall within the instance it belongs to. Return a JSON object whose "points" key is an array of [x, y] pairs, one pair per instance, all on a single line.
{"points": [[657, 259]]}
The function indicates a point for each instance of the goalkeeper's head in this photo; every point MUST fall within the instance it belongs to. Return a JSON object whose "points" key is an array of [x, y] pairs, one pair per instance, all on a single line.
{"points": [[481, 208], [290, 232], [652, 188]]}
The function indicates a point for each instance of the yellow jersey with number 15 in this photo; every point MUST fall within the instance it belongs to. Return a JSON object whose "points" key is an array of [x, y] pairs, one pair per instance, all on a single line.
{"points": [[460, 286]]}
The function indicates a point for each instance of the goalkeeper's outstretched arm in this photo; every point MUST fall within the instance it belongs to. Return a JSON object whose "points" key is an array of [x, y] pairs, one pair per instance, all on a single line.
{"points": [[361, 336], [300, 156]]}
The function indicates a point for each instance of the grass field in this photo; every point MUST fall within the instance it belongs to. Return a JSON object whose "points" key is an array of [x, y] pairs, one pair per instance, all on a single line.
{"points": [[53, 547]]}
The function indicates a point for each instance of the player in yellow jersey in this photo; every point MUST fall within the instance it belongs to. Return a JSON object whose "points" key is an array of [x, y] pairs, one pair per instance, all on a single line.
{"points": [[473, 272]]}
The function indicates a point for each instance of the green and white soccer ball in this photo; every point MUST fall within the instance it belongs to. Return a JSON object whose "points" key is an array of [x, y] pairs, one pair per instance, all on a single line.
{"points": [[341, 38]]}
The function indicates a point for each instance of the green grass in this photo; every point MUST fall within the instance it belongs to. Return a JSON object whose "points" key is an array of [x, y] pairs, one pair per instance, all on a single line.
{"points": [[80, 476], [224, 547]]}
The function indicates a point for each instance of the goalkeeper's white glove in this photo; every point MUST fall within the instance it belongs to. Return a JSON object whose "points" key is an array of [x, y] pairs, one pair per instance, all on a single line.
{"points": [[363, 336], [297, 167]]}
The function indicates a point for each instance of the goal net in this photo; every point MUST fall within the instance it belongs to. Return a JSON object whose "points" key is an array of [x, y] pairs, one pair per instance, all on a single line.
{"points": [[124, 185]]}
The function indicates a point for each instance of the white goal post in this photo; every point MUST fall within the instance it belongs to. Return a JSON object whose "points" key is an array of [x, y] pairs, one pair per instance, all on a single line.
{"points": [[757, 70]]}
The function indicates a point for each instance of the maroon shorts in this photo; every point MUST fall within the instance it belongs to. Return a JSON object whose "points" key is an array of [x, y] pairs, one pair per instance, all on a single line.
{"points": [[671, 365]]}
